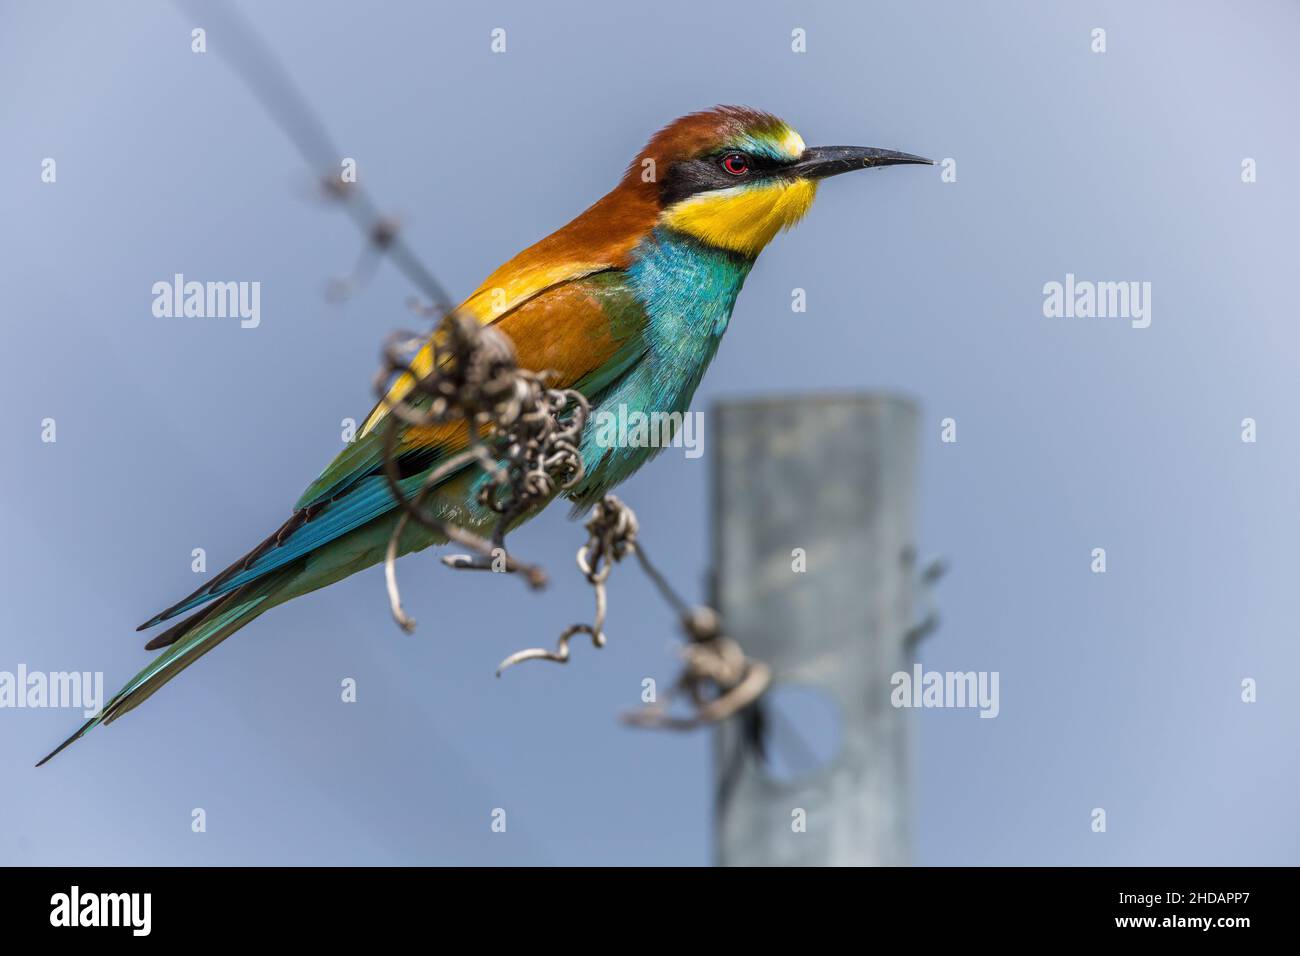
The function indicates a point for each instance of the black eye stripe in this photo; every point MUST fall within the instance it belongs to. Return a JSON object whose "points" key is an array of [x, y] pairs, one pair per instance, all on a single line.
{"points": [[692, 176]]}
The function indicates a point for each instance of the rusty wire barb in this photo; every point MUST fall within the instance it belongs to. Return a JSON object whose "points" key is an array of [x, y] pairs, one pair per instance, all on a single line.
{"points": [[717, 678], [522, 434], [256, 63], [611, 536]]}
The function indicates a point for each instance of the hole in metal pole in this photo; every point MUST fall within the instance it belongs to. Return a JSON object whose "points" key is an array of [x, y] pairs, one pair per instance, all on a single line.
{"points": [[802, 732]]}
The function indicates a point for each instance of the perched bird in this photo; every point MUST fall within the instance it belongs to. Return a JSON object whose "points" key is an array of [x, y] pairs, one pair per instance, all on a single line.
{"points": [[627, 303]]}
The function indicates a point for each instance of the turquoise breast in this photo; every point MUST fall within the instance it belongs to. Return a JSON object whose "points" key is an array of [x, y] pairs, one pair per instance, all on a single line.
{"points": [[688, 290]]}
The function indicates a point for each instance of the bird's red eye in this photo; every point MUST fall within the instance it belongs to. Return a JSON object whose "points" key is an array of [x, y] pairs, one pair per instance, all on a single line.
{"points": [[736, 163]]}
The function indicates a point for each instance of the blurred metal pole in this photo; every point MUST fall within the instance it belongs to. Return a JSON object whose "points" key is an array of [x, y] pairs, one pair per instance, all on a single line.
{"points": [[836, 477]]}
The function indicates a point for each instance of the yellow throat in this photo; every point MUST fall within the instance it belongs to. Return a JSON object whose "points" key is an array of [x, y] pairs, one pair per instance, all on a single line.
{"points": [[743, 219]]}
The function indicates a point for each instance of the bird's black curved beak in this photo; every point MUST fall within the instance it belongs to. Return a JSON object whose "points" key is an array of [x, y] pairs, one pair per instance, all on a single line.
{"points": [[818, 162]]}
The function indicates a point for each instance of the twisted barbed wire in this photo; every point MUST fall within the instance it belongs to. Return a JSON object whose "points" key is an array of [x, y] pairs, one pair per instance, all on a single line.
{"points": [[611, 536], [253, 61], [522, 434], [717, 678]]}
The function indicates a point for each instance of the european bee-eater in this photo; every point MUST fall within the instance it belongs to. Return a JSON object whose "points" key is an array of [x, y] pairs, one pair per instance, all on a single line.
{"points": [[627, 304]]}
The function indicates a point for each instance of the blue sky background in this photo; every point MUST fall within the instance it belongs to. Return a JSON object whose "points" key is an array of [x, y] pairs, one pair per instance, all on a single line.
{"points": [[1118, 690]]}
